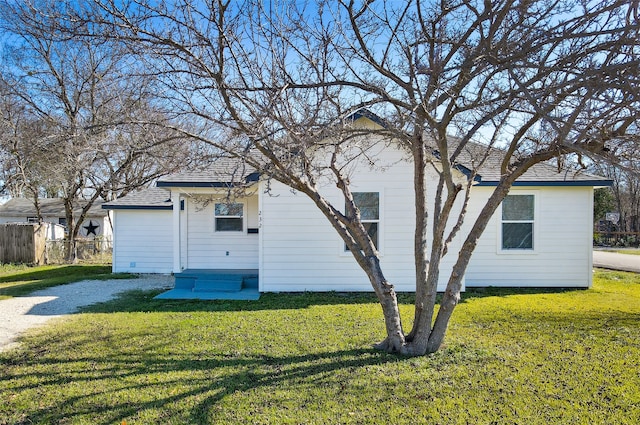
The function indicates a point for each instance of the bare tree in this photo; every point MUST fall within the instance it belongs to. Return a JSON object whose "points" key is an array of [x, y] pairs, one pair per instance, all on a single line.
{"points": [[81, 125], [625, 193], [19, 136], [456, 83]]}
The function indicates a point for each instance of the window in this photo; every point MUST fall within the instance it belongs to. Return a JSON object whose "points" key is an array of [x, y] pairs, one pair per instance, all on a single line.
{"points": [[228, 217], [63, 222], [369, 205], [517, 222], [33, 220]]}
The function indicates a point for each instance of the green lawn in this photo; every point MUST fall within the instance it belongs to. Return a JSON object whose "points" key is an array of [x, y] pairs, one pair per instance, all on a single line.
{"points": [[511, 357], [629, 251], [17, 280]]}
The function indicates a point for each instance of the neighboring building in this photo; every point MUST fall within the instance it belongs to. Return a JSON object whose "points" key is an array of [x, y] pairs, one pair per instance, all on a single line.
{"points": [[21, 210], [540, 237]]}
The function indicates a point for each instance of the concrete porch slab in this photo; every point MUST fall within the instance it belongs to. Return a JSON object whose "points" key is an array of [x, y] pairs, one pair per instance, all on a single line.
{"points": [[246, 294]]}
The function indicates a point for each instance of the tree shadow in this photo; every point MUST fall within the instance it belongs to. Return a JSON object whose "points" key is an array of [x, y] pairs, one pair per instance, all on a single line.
{"points": [[23, 283], [192, 386], [63, 271], [494, 291], [201, 383], [143, 301]]}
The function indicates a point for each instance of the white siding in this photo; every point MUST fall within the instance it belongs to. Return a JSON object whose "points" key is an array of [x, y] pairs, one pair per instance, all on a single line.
{"points": [[208, 249], [142, 241], [5, 220], [302, 252], [563, 240], [55, 232], [105, 230], [298, 250]]}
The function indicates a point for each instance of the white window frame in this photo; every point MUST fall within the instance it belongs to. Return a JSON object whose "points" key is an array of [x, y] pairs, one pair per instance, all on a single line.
{"points": [[242, 217], [380, 246], [535, 222]]}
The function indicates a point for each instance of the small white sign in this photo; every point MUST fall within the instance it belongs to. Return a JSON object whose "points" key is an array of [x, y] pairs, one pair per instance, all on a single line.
{"points": [[613, 217]]}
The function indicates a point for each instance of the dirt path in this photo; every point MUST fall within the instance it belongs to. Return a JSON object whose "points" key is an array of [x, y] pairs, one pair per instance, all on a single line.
{"points": [[22, 313]]}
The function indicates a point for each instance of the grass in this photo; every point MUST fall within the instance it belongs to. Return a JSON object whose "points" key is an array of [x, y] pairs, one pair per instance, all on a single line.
{"points": [[511, 357], [18, 280], [629, 251]]}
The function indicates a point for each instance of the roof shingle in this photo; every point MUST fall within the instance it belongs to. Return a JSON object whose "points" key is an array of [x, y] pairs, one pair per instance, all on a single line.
{"points": [[49, 207], [152, 198]]}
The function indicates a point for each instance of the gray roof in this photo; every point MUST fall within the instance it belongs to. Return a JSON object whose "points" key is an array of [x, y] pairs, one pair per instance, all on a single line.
{"points": [[488, 174], [226, 172], [49, 207], [152, 198], [542, 174], [223, 172]]}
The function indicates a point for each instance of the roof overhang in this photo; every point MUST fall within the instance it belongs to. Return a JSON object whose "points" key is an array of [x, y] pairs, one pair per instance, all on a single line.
{"points": [[575, 183], [251, 178], [220, 185], [138, 207]]}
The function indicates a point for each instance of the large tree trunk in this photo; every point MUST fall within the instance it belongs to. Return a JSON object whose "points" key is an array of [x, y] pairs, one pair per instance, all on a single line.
{"points": [[451, 296], [71, 248], [395, 340], [425, 294], [355, 236]]}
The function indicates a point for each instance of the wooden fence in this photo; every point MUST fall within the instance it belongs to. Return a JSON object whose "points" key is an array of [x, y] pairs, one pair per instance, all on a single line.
{"points": [[22, 243]]}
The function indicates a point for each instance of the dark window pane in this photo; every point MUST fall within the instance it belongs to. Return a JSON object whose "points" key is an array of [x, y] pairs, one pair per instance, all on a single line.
{"points": [[229, 209], [372, 230], [517, 207], [228, 224], [517, 235], [368, 203]]}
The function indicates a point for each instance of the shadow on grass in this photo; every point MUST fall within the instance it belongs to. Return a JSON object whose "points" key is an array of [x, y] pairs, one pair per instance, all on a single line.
{"points": [[186, 386], [493, 291], [49, 273], [143, 301], [169, 385], [26, 281]]}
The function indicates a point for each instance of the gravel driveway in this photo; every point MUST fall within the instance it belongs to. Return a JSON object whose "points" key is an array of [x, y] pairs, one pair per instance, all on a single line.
{"points": [[21, 313]]}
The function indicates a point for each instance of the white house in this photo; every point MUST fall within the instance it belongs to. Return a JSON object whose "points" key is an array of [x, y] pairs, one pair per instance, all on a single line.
{"points": [[97, 223], [540, 237]]}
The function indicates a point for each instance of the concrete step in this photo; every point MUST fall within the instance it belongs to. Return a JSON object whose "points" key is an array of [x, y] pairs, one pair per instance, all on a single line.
{"points": [[250, 282], [183, 294], [218, 284], [203, 280], [184, 282]]}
